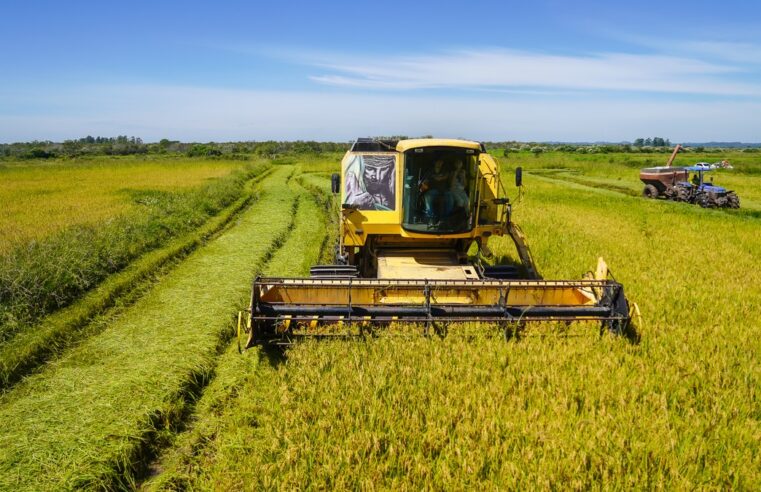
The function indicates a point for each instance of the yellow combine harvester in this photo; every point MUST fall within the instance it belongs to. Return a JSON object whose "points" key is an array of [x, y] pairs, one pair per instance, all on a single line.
{"points": [[411, 210]]}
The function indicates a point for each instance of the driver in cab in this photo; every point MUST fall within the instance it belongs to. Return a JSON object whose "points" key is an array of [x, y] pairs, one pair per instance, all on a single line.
{"points": [[435, 187]]}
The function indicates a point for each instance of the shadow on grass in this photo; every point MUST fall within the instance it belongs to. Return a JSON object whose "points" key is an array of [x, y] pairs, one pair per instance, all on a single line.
{"points": [[275, 355]]}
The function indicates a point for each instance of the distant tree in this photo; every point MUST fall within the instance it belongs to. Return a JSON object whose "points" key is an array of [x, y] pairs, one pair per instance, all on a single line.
{"points": [[72, 148], [639, 142], [648, 142], [203, 150]]}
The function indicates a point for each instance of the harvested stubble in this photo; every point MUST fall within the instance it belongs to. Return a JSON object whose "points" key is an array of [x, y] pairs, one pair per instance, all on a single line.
{"points": [[88, 418], [680, 410]]}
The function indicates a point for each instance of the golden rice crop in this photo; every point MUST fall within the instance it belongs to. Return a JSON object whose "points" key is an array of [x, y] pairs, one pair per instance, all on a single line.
{"points": [[679, 410]]}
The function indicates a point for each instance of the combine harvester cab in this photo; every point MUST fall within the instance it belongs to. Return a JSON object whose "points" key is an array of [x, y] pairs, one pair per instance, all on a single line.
{"points": [[410, 212]]}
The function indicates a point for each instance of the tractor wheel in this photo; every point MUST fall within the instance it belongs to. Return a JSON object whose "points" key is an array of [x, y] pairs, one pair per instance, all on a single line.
{"points": [[705, 200], [733, 201], [650, 191], [682, 194]]}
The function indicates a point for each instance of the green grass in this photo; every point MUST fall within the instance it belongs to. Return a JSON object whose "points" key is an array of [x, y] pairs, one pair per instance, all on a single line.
{"points": [[90, 418], [301, 250], [304, 243]]}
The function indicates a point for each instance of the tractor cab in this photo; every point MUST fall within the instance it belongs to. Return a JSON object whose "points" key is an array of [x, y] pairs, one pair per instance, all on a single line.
{"points": [[698, 180]]}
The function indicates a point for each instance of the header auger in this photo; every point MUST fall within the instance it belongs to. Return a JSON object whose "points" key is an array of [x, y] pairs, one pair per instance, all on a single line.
{"points": [[410, 212]]}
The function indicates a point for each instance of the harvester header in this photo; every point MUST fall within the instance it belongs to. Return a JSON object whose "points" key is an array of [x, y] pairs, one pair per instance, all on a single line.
{"points": [[412, 214]]}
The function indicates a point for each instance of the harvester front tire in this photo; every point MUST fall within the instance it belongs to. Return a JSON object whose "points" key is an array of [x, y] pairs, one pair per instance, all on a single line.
{"points": [[650, 191]]}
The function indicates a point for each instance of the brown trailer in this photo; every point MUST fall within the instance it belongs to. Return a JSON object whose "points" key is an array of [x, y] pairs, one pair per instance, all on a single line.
{"points": [[660, 181]]}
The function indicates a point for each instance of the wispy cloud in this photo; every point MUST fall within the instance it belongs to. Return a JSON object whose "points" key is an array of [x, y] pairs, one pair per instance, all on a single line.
{"points": [[742, 54], [506, 69]]}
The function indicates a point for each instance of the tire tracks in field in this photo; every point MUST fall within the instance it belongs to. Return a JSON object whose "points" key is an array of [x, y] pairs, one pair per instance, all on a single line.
{"points": [[30, 349], [141, 374]]}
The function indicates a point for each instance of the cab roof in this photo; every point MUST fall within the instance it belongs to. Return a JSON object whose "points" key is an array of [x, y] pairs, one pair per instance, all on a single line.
{"points": [[405, 145], [377, 145]]}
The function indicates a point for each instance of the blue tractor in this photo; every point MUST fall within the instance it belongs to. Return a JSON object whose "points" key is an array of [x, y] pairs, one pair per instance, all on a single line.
{"points": [[707, 195], [674, 183]]}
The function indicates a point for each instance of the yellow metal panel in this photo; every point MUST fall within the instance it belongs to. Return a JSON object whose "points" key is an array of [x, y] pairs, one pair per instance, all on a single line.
{"points": [[405, 145], [474, 292], [423, 265]]}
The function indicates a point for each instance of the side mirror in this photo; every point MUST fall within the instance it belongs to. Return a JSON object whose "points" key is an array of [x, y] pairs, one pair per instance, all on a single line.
{"points": [[335, 183], [519, 176]]}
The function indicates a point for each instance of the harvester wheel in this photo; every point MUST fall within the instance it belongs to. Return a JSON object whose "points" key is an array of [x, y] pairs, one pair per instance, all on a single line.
{"points": [[650, 191]]}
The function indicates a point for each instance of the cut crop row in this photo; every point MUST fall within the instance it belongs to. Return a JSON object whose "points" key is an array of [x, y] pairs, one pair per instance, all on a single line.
{"points": [[251, 375], [42, 276], [54, 333], [90, 418]]}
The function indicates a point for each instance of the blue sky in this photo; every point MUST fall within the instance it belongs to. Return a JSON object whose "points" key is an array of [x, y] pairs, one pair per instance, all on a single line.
{"points": [[542, 70]]}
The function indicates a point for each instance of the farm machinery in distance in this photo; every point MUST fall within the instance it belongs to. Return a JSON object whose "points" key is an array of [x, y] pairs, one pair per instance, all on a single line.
{"points": [[674, 183]]}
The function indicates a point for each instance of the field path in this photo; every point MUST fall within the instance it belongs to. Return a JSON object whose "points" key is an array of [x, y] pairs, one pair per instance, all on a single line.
{"points": [[89, 418]]}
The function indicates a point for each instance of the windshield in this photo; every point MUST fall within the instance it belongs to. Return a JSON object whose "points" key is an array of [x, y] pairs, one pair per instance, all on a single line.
{"points": [[439, 190]]}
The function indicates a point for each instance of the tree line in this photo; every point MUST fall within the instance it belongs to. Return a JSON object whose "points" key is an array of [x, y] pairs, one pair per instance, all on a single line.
{"points": [[130, 145], [124, 145], [652, 142]]}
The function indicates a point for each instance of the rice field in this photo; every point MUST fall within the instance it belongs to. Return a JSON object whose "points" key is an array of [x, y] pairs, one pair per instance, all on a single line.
{"points": [[97, 263], [159, 398], [41, 198], [95, 431]]}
